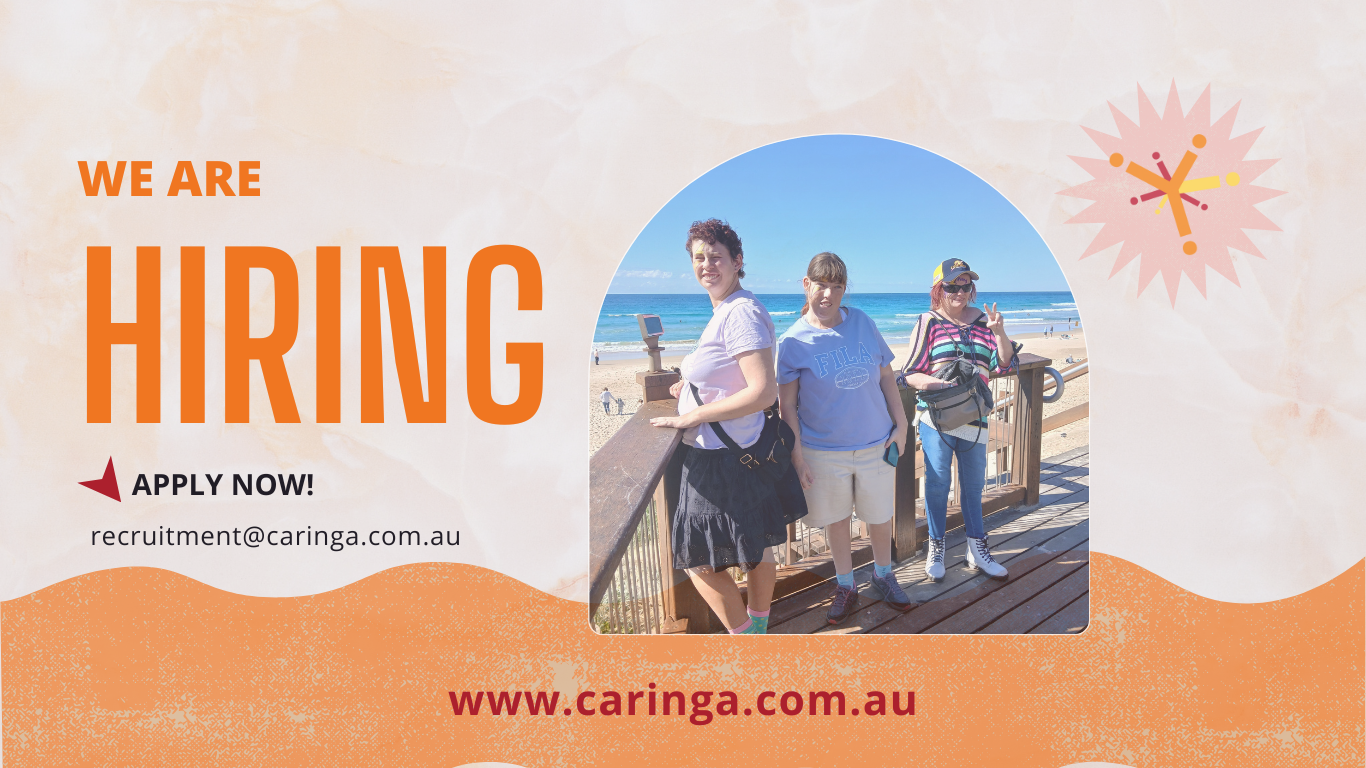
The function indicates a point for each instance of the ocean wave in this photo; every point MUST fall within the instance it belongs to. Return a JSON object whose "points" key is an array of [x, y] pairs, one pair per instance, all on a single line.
{"points": [[1036, 311], [783, 313], [1066, 304], [669, 345]]}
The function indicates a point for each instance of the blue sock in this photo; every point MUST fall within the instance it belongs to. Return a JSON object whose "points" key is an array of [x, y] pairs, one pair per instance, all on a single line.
{"points": [[845, 579], [882, 571]]}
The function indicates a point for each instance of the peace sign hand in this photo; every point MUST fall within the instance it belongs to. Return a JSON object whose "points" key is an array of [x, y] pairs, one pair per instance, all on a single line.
{"points": [[996, 322]]}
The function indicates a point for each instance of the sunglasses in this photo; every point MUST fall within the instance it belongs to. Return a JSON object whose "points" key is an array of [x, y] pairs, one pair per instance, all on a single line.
{"points": [[955, 288]]}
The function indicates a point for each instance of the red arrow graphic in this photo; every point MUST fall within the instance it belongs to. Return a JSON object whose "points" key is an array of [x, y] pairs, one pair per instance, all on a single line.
{"points": [[107, 485]]}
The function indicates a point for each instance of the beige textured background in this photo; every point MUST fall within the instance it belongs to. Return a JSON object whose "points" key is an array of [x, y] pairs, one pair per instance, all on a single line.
{"points": [[1225, 430]]}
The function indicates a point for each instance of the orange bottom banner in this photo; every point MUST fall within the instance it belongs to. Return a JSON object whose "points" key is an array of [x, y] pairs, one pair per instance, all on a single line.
{"points": [[442, 665]]}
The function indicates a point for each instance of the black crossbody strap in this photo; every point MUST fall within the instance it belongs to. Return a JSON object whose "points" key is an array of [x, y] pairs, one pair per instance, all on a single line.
{"points": [[744, 456]]}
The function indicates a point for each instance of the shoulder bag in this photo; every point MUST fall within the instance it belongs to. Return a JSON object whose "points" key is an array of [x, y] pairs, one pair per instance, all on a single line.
{"points": [[771, 455], [957, 405]]}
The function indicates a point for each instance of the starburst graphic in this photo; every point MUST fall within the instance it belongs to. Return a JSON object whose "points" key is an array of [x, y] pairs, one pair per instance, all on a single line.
{"points": [[1154, 211]]}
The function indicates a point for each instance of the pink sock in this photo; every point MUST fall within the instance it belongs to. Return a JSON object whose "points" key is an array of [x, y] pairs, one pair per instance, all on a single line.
{"points": [[758, 614], [741, 629]]}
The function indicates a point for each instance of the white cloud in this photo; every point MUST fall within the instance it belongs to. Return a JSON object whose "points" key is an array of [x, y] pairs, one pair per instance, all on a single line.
{"points": [[645, 273]]}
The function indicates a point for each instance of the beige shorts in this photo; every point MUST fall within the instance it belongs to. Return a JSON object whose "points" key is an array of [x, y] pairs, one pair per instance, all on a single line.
{"points": [[847, 482]]}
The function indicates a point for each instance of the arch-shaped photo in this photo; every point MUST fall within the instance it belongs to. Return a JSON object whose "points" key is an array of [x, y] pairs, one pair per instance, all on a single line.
{"points": [[838, 386]]}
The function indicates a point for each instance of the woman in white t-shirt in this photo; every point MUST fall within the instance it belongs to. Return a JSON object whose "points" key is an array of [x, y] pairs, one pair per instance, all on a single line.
{"points": [[727, 514]]}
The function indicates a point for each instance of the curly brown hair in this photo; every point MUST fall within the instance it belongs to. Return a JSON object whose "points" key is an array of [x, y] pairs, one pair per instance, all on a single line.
{"points": [[713, 232]]}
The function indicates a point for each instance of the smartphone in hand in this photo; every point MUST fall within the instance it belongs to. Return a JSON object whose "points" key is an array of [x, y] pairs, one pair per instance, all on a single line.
{"points": [[891, 454]]}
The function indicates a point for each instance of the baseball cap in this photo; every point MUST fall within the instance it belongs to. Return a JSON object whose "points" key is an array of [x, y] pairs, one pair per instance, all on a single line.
{"points": [[950, 269]]}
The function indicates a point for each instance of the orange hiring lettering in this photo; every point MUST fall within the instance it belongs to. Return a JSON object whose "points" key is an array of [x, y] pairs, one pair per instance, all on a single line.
{"points": [[240, 348]]}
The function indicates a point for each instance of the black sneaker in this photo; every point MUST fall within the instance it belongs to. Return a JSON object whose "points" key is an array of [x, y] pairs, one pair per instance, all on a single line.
{"points": [[844, 604]]}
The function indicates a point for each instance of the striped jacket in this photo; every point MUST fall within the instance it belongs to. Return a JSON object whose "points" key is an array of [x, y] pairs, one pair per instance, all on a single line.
{"points": [[938, 343]]}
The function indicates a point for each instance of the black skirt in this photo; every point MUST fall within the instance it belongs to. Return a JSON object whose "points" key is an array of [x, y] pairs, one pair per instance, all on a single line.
{"points": [[728, 514]]}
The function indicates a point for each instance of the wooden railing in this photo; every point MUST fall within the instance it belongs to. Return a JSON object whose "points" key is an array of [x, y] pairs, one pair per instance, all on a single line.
{"points": [[633, 484]]}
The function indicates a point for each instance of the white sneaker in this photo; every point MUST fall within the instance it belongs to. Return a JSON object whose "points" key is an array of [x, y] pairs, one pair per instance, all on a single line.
{"points": [[979, 557], [934, 560]]}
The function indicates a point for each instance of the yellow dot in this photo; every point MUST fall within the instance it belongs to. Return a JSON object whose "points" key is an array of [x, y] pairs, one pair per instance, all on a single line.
{"points": [[1199, 141], [1233, 179], [1116, 159], [1189, 247]]}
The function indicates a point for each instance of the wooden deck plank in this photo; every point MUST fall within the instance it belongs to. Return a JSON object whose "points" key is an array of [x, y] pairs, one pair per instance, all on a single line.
{"points": [[1041, 606], [1061, 520], [958, 580], [932, 612], [1066, 456], [1071, 494], [1004, 549], [1010, 525], [820, 594], [809, 611], [1075, 457], [1015, 593], [816, 600], [1069, 621], [1062, 474], [1055, 495], [924, 616]]}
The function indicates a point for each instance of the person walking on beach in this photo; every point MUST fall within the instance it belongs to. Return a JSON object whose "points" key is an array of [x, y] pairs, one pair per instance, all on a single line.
{"points": [[955, 343], [837, 391], [606, 398], [728, 515], [595, 357], [621, 407]]}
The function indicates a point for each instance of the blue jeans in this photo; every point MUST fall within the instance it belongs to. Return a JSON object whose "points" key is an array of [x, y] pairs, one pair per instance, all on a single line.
{"points": [[972, 476]]}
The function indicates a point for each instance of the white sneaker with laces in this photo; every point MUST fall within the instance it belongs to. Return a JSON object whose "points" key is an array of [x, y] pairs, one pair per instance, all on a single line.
{"points": [[979, 557], [934, 560]]}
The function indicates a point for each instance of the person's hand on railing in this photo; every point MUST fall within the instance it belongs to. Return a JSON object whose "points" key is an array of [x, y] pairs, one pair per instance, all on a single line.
{"points": [[674, 422]]}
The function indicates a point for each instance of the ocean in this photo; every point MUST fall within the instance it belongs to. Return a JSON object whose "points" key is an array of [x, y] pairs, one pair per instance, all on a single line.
{"points": [[685, 315]]}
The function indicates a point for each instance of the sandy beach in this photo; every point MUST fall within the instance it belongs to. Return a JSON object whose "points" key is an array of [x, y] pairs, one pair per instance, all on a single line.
{"points": [[619, 377]]}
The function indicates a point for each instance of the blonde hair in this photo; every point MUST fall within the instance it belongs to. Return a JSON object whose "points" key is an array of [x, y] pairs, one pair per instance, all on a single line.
{"points": [[825, 267]]}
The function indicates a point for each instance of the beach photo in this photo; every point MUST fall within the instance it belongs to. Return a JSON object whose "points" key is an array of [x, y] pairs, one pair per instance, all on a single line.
{"points": [[839, 386]]}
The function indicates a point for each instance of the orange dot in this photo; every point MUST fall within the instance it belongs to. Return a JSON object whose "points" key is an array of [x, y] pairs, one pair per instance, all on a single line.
{"points": [[1189, 247], [1116, 159], [1199, 141]]}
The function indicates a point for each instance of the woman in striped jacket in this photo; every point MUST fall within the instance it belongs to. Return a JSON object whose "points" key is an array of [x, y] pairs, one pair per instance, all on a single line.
{"points": [[956, 337]]}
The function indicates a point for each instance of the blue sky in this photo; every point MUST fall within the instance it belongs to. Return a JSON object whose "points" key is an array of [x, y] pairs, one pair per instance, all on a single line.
{"points": [[890, 210]]}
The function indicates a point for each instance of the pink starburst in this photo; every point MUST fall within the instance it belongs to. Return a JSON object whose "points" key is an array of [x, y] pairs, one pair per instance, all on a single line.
{"points": [[1176, 190]]}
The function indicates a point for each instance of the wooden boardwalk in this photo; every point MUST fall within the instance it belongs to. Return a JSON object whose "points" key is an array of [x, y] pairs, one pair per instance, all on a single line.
{"points": [[1046, 549]]}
